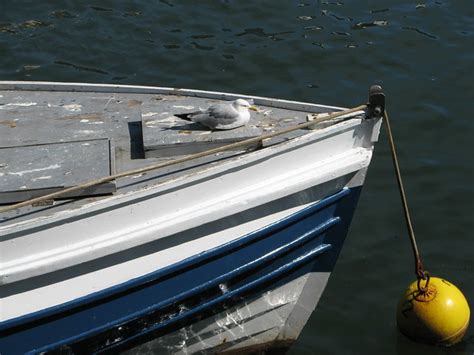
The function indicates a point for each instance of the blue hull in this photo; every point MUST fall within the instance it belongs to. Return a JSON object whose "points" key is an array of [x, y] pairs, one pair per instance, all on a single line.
{"points": [[150, 306]]}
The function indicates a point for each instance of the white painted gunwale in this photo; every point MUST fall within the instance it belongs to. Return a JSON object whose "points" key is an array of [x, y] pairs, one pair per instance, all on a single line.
{"points": [[209, 170], [69, 253], [69, 289], [66, 290], [142, 89], [30, 265]]}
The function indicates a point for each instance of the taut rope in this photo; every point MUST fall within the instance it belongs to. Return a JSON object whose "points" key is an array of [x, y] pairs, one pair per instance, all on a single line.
{"points": [[420, 272]]}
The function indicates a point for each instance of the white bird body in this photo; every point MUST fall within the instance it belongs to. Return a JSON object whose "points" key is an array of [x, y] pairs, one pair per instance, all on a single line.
{"points": [[222, 116]]}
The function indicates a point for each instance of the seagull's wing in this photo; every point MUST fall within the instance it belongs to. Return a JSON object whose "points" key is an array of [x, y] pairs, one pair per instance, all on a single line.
{"points": [[216, 116], [223, 112]]}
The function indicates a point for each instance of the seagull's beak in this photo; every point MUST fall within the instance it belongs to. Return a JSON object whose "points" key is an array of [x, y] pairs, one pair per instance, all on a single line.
{"points": [[253, 108]]}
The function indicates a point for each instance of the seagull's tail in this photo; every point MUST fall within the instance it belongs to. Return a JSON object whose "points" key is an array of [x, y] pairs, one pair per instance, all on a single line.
{"points": [[184, 116]]}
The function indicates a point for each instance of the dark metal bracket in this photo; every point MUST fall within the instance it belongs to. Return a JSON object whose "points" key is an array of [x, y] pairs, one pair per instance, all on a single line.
{"points": [[376, 103]]}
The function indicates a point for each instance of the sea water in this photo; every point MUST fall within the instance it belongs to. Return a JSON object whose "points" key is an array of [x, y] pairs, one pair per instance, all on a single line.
{"points": [[328, 52]]}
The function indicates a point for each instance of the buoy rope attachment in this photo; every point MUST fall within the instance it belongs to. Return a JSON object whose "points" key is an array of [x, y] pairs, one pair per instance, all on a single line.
{"points": [[426, 277], [420, 272]]}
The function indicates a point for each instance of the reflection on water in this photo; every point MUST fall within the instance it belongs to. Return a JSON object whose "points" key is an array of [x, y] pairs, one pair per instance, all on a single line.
{"points": [[318, 51]]}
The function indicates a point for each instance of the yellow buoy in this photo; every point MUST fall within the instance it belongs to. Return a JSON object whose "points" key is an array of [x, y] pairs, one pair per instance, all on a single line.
{"points": [[439, 314]]}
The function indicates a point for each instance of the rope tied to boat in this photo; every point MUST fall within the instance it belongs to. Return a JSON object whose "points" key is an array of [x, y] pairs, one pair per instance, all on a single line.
{"points": [[421, 273], [377, 108], [241, 144], [435, 312]]}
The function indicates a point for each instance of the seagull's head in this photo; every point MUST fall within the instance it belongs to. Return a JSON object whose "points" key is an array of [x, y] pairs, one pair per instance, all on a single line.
{"points": [[241, 104]]}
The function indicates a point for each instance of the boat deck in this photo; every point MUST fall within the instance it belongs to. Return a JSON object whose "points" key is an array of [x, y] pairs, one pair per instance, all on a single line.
{"points": [[55, 137]]}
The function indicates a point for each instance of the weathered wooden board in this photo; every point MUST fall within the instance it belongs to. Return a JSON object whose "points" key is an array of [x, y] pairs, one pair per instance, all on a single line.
{"points": [[29, 171]]}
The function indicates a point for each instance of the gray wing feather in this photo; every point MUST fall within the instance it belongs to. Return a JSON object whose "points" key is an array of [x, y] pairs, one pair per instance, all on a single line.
{"points": [[215, 115], [226, 113]]}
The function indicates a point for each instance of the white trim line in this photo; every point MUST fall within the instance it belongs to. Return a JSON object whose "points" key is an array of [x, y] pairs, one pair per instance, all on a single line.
{"points": [[142, 89]]}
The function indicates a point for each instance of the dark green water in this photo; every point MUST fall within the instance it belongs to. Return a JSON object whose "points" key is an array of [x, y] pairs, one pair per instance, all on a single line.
{"points": [[317, 51]]}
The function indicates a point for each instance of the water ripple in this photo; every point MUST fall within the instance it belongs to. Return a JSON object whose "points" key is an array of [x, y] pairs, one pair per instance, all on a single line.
{"points": [[101, 9], [60, 14], [201, 47], [81, 67], [362, 25], [420, 32], [326, 51]]}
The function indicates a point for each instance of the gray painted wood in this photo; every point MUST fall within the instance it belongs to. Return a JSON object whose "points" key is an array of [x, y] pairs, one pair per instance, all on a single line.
{"points": [[40, 113], [168, 136], [32, 170]]}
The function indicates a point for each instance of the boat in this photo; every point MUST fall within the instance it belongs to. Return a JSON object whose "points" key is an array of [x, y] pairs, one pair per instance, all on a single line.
{"points": [[124, 228]]}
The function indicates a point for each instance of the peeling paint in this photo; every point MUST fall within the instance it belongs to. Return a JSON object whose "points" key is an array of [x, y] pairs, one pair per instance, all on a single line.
{"points": [[171, 120], [184, 107], [202, 133], [73, 107], [41, 178], [149, 114], [18, 104], [21, 173]]}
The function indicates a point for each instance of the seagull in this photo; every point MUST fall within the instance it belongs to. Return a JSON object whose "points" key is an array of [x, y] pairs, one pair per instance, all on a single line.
{"points": [[222, 116]]}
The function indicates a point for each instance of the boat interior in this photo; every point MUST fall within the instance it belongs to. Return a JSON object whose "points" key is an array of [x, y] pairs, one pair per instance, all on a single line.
{"points": [[54, 137]]}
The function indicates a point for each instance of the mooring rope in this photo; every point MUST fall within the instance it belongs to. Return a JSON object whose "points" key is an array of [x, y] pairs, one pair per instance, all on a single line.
{"points": [[185, 159], [419, 269]]}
